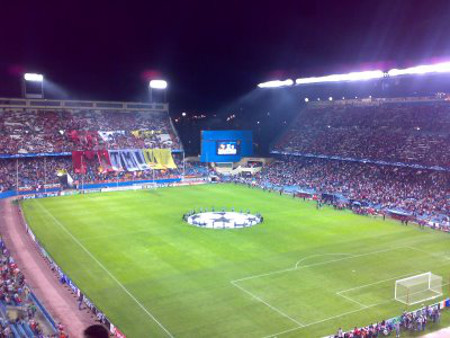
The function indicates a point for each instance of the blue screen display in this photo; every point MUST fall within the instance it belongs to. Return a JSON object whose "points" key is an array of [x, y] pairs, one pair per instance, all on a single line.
{"points": [[226, 145]]}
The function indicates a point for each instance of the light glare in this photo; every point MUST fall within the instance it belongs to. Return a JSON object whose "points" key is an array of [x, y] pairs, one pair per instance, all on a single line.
{"points": [[33, 77], [443, 67], [355, 76], [158, 84], [276, 83]]}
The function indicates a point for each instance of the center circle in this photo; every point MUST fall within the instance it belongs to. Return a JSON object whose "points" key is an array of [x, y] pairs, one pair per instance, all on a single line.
{"points": [[223, 220]]}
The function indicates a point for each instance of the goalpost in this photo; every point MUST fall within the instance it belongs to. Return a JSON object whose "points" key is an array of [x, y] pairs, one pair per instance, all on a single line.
{"points": [[419, 288]]}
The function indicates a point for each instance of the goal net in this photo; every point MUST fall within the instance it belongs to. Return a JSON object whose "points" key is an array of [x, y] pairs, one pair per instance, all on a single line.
{"points": [[420, 288]]}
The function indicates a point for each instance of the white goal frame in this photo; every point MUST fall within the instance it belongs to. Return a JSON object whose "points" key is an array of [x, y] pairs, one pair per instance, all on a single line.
{"points": [[432, 291]]}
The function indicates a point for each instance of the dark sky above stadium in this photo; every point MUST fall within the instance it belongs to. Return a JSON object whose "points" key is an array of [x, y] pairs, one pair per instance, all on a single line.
{"points": [[211, 52]]}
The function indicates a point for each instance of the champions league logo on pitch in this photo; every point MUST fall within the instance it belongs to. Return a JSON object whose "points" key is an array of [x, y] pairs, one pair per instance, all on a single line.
{"points": [[223, 220]]}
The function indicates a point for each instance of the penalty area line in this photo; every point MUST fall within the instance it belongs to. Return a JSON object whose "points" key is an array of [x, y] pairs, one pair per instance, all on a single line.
{"points": [[273, 308], [104, 268], [297, 267]]}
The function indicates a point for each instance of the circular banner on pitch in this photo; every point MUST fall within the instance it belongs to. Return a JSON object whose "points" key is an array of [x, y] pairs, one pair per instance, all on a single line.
{"points": [[223, 220]]}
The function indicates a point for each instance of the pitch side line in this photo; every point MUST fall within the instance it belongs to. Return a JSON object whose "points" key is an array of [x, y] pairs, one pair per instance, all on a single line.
{"points": [[105, 269], [268, 305]]}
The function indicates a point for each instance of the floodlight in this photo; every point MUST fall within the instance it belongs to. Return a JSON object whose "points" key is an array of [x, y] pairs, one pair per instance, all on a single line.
{"points": [[330, 98], [33, 77], [306, 99], [443, 67], [276, 83], [158, 84], [355, 76]]}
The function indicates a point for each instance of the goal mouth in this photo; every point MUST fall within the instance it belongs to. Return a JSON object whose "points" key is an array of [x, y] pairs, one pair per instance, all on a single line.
{"points": [[418, 289], [223, 220]]}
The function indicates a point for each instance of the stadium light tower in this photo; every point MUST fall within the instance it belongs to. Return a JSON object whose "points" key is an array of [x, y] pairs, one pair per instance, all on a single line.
{"points": [[157, 85], [33, 86]]}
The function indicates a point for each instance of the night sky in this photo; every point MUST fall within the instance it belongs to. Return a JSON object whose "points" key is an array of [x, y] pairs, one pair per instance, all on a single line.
{"points": [[211, 52]]}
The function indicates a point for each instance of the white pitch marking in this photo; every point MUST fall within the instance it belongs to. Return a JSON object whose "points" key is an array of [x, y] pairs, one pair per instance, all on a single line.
{"points": [[315, 264], [334, 317], [321, 321], [267, 304], [429, 253], [352, 300], [379, 282], [105, 269], [365, 307], [322, 255]]}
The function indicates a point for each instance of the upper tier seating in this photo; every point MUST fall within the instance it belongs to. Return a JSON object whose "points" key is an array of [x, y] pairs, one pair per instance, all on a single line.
{"points": [[408, 133], [31, 131]]}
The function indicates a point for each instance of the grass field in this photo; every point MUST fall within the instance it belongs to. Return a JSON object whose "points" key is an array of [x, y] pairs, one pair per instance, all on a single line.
{"points": [[302, 273]]}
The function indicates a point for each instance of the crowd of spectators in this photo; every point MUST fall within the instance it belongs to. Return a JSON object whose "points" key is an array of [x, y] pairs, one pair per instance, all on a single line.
{"points": [[34, 172], [415, 321], [422, 192], [196, 169], [15, 293], [408, 133], [40, 173], [37, 131]]}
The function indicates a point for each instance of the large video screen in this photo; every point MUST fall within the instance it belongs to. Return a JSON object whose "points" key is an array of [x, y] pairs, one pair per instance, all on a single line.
{"points": [[227, 148], [226, 145]]}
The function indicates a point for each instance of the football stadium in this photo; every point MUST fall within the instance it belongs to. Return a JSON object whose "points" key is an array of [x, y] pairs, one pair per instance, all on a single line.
{"points": [[316, 204]]}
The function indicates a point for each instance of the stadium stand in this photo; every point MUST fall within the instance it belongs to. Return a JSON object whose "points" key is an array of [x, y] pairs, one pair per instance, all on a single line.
{"points": [[36, 144], [21, 314], [418, 191], [47, 131], [389, 155], [411, 133]]}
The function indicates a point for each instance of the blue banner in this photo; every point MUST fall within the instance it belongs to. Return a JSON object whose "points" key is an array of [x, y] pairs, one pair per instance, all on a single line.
{"points": [[34, 155]]}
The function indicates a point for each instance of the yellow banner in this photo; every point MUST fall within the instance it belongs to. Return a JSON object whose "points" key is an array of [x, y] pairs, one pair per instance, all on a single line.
{"points": [[159, 158]]}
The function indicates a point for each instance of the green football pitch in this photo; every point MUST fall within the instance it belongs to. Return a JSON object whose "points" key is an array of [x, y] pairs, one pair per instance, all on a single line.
{"points": [[302, 273]]}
